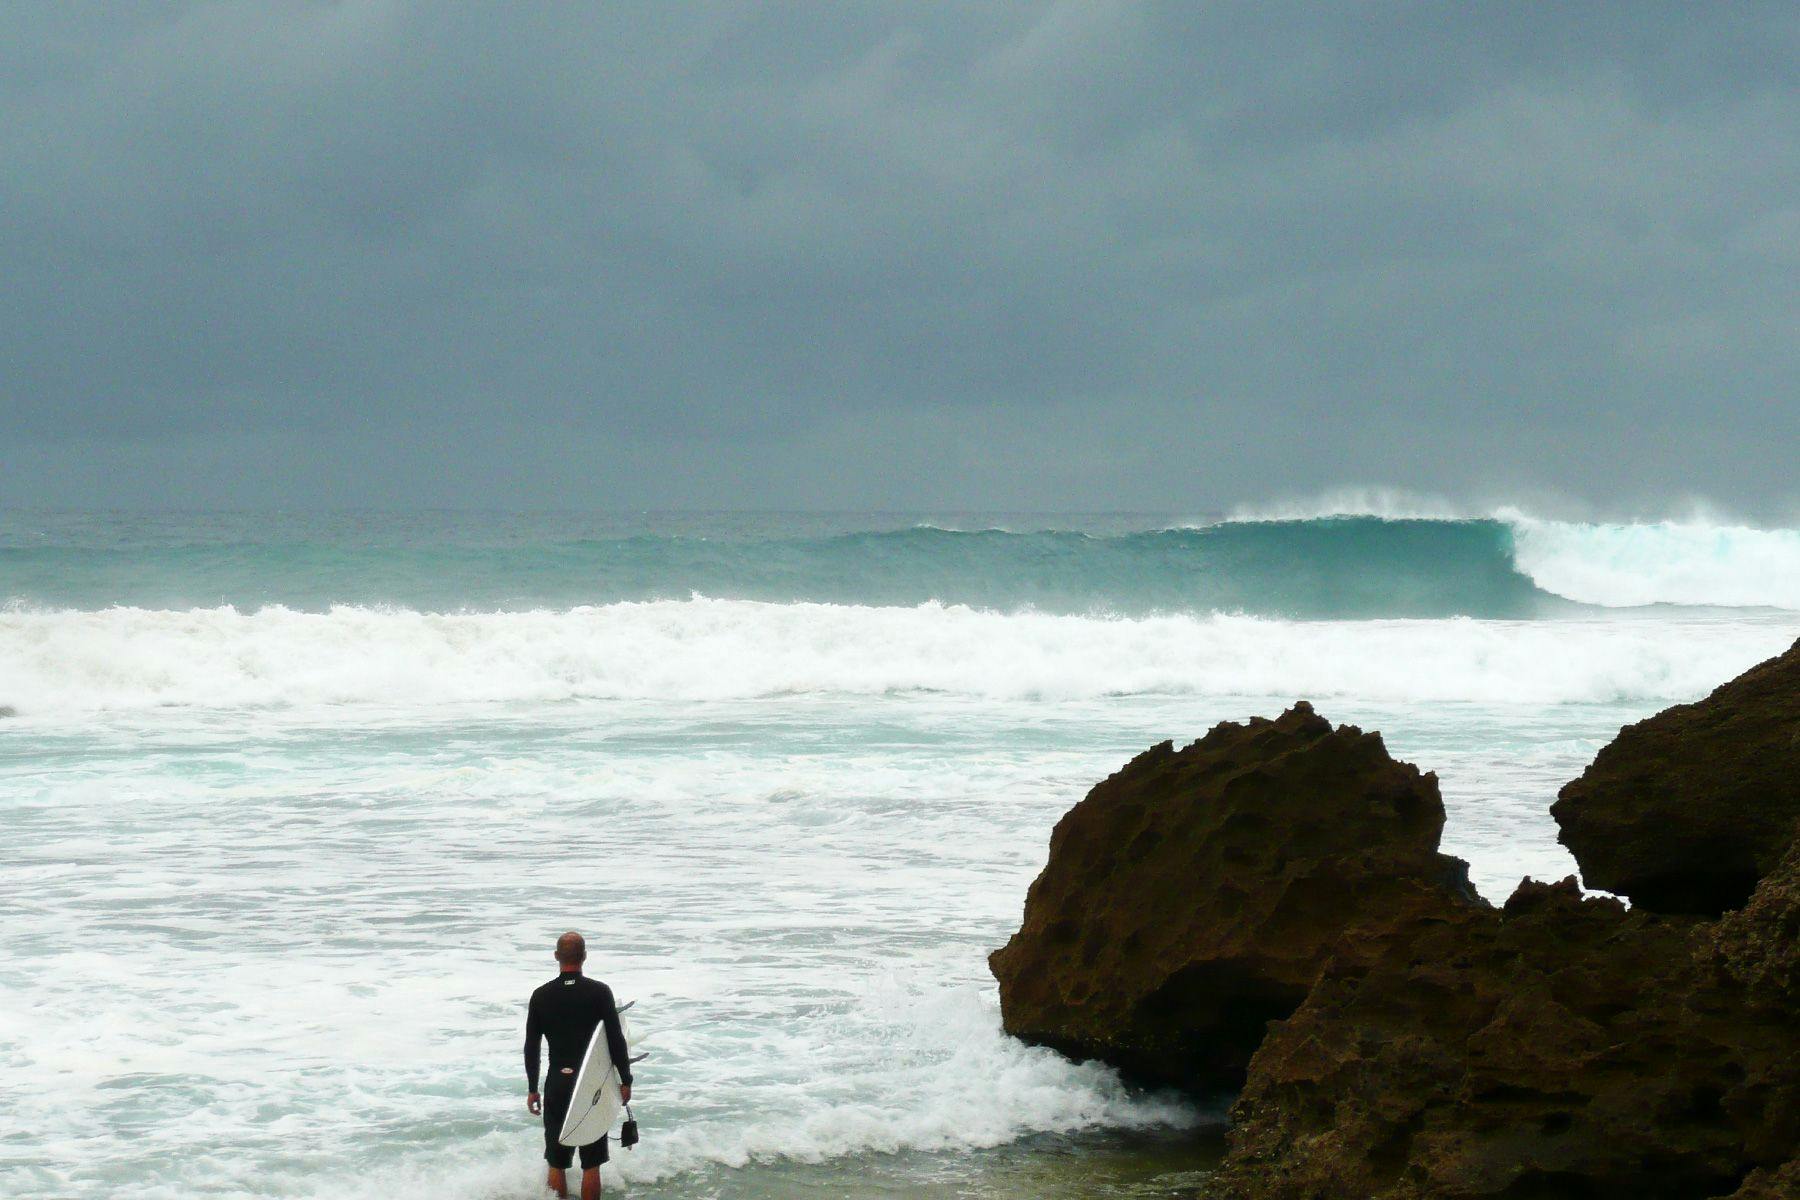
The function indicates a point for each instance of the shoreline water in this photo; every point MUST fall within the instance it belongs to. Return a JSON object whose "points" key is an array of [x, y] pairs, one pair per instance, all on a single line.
{"points": [[1110, 1165]]}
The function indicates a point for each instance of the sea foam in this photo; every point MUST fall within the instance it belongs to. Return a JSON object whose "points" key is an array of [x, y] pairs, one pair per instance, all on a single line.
{"points": [[1689, 563], [704, 649]]}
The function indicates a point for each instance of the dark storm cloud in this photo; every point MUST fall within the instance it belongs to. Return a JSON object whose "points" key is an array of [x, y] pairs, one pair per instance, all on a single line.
{"points": [[1072, 255]]}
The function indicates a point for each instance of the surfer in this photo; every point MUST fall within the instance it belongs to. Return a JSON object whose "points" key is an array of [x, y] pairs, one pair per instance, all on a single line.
{"points": [[565, 1011]]}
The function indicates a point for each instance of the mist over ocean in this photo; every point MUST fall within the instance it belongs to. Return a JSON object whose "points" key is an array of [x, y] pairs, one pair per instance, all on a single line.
{"points": [[295, 806]]}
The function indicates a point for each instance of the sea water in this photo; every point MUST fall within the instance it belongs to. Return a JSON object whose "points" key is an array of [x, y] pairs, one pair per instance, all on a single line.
{"points": [[292, 808]]}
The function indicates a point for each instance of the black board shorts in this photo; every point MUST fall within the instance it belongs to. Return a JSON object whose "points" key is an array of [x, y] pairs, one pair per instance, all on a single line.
{"points": [[559, 1089]]}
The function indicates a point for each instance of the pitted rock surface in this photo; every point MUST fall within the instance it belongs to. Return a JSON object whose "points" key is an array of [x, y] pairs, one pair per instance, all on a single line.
{"points": [[1684, 812], [1194, 896]]}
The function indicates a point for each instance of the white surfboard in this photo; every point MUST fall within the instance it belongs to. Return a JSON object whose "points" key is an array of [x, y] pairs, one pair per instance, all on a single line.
{"points": [[596, 1102]]}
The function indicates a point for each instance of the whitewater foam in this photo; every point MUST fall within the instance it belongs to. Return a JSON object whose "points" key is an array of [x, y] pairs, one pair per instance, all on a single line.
{"points": [[1689, 563], [329, 932], [945, 1078], [903, 1069], [702, 650]]}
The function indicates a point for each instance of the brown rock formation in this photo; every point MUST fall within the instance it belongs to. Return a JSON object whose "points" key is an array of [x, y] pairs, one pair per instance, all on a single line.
{"points": [[1685, 811], [1561, 1047], [1284, 876], [1782, 1184], [1758, 947], [1193, 896]]}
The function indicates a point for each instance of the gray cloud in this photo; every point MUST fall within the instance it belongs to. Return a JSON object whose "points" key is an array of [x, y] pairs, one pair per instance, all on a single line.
{"points": [[1082, 255]]}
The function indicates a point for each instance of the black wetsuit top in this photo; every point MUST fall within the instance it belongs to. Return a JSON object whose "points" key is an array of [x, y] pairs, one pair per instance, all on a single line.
{"points": [[566, 1010]]}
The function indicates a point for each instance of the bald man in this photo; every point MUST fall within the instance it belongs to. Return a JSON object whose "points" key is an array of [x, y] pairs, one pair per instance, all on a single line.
{"points": [[565, 1011]]}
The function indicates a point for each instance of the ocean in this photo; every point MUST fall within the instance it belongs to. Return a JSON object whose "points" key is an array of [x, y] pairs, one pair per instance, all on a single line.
{"points": [[295, 806]]}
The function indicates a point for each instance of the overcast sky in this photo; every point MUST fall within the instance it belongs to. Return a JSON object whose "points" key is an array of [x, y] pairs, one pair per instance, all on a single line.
{"points": [[898, 255]]}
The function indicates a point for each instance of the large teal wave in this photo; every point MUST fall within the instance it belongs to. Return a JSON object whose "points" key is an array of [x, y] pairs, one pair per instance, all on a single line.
{"points": [[1341, 567]]}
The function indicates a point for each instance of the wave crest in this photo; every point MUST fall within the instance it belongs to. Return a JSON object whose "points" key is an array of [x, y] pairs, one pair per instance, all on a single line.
{"points": [[1343, 566], [1383, 503]]}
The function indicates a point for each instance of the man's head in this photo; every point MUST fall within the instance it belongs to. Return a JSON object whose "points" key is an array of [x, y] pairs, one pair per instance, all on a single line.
{"points": [[571, 950]]}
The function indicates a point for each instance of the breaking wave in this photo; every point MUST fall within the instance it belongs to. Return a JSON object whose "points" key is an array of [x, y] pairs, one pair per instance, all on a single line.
{"points": [[1689, 563], [712, 649], [1323, 567]]}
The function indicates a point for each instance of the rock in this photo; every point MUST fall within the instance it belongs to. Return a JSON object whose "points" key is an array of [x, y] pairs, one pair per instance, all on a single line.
{"points": [[1687, 810], [1268, 905], [1193, 896], [1561, 1047], [1758, 946], [1781, 1184]]}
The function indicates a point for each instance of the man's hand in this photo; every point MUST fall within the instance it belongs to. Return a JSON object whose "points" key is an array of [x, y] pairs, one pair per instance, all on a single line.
{"points": [[625, 1092], [535, 1105]]}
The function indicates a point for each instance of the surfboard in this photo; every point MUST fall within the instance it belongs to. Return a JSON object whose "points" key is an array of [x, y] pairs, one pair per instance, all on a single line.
{"points": [[596, 1102]]}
